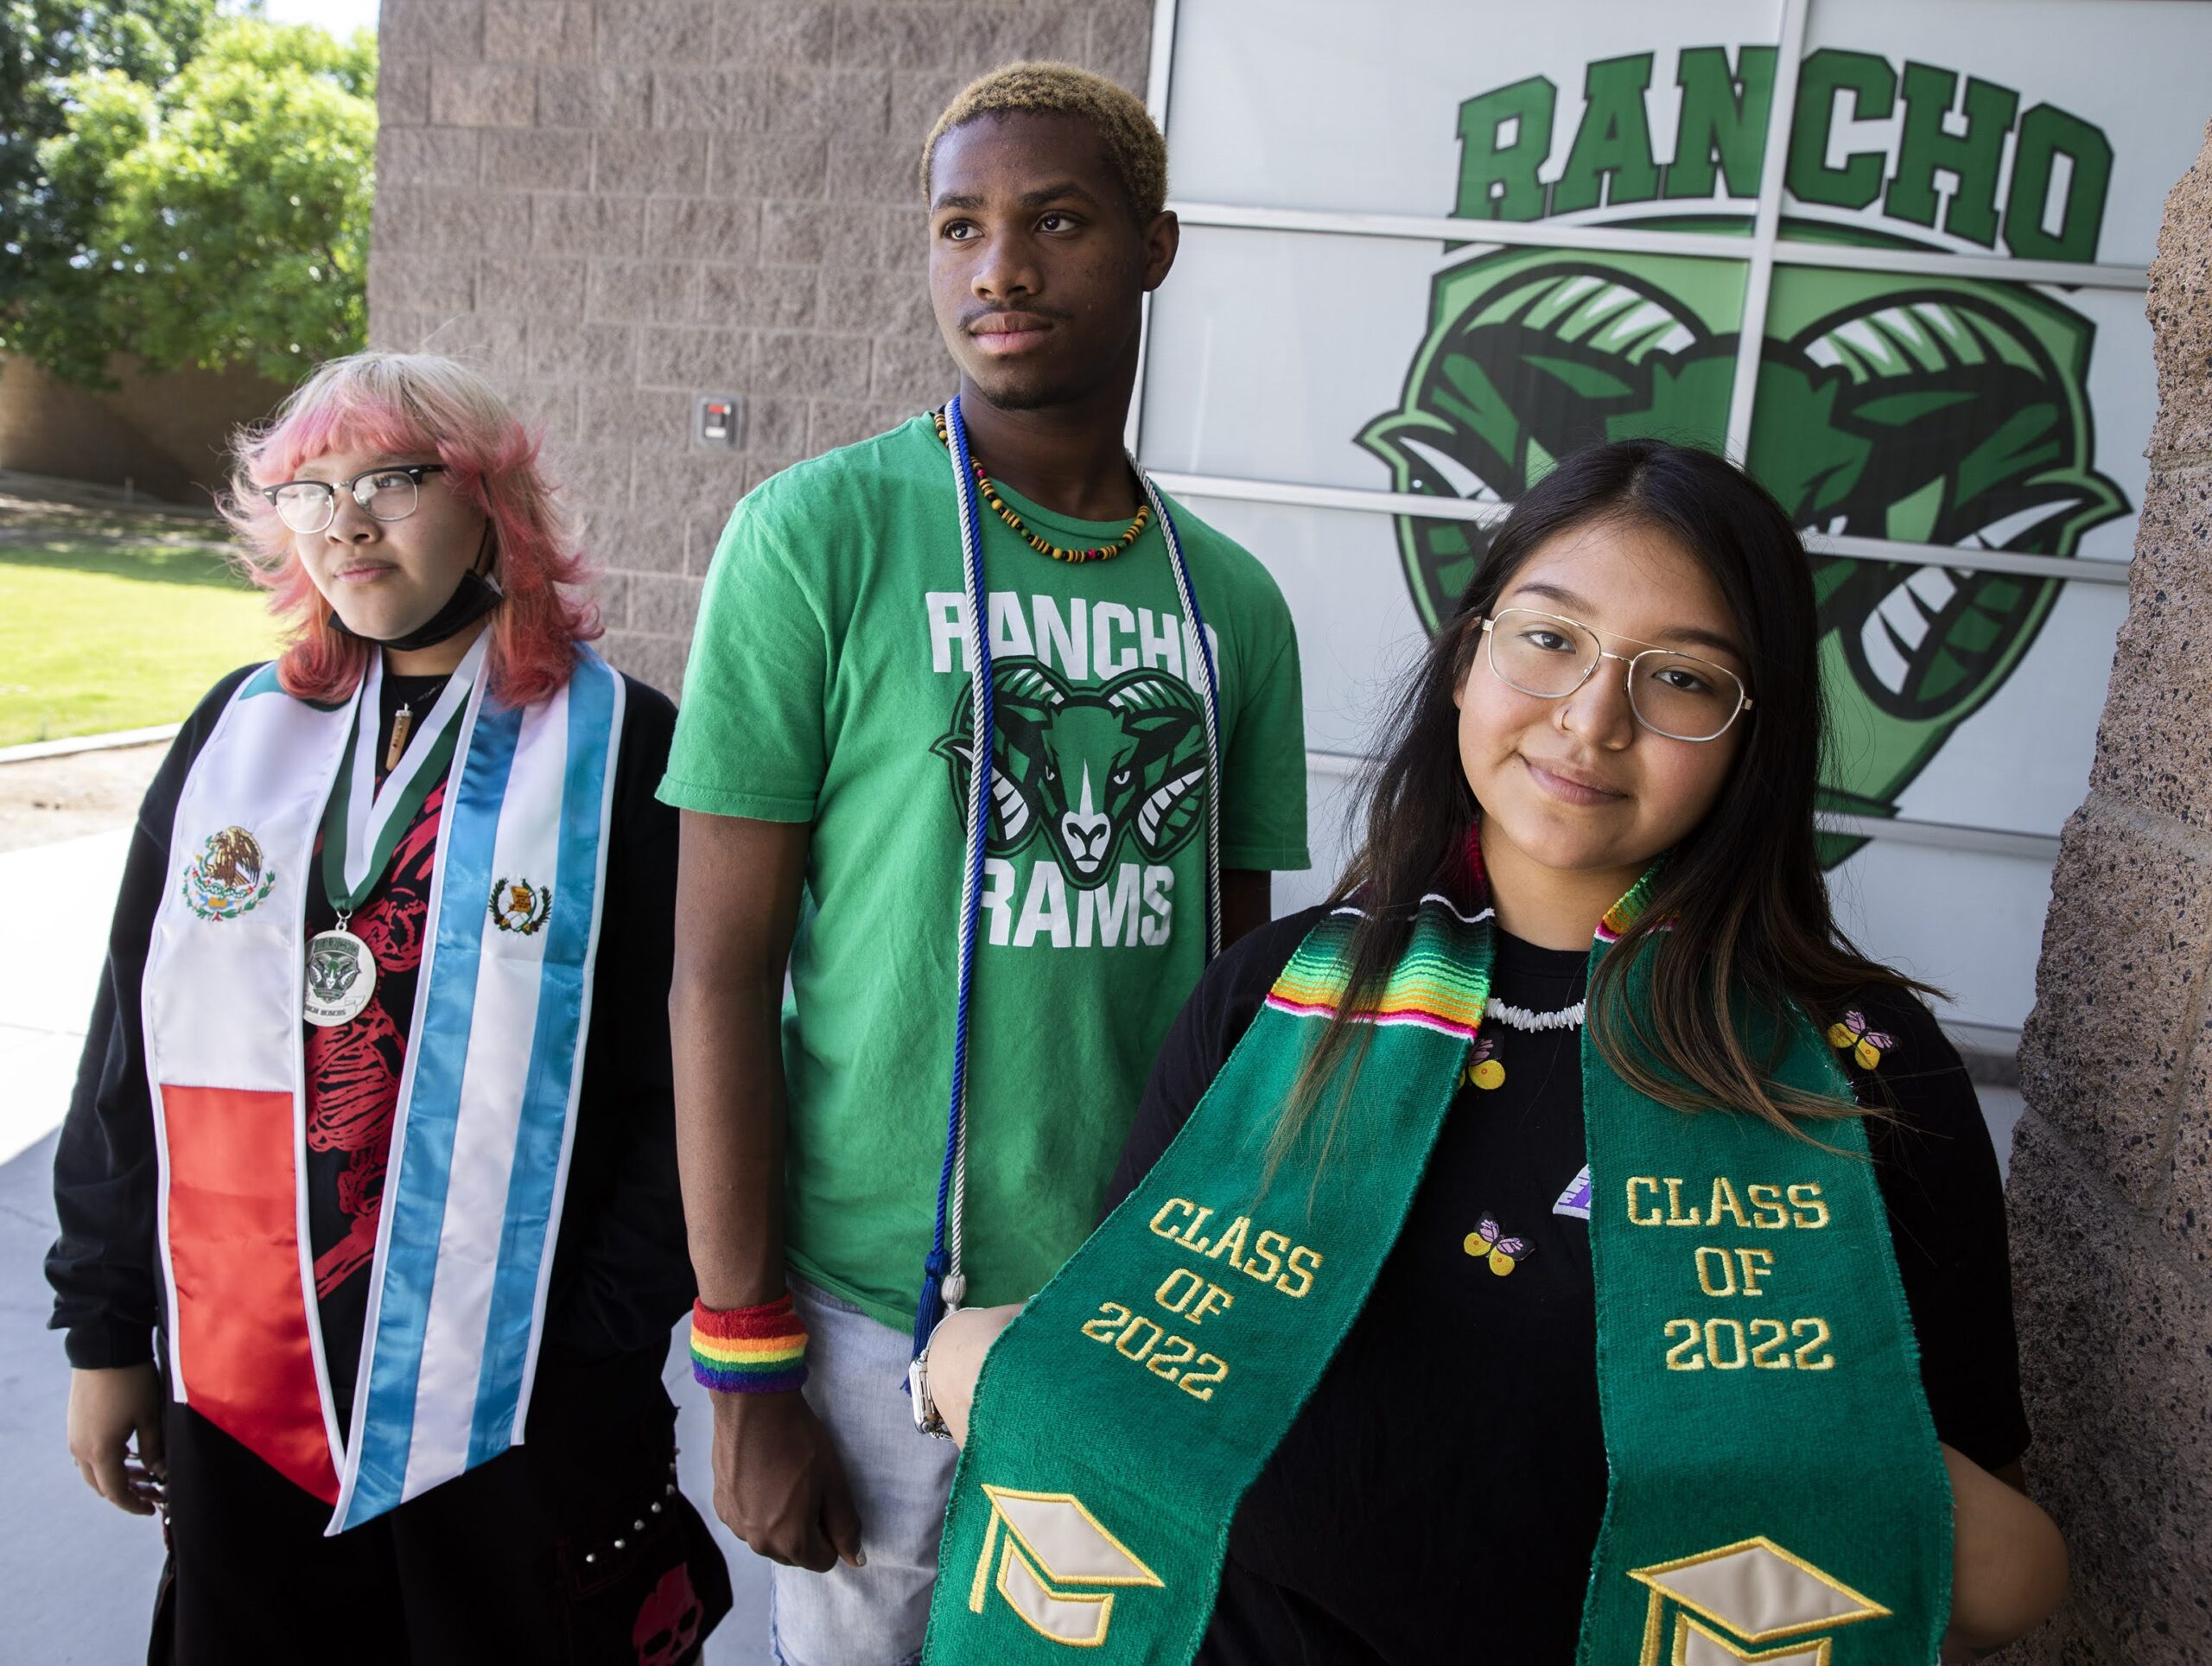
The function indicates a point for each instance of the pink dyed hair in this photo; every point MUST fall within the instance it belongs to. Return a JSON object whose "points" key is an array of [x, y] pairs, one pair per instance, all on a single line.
{"points": [[396, 403]]}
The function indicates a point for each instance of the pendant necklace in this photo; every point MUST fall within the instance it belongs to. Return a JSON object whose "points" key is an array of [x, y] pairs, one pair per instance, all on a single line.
{"points": [[363, 824], [402, 725]]}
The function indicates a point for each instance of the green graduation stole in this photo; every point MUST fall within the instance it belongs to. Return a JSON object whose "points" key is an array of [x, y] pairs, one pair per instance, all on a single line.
{"points": [[1776, 1495]]}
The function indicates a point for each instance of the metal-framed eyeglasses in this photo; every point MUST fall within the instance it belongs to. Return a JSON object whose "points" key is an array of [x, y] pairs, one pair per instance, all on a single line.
{"points": [[389, 494], [1676, 695]]}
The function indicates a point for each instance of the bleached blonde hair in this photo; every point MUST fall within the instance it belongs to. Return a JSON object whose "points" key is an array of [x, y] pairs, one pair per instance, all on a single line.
{"points": [[1133, 142]]}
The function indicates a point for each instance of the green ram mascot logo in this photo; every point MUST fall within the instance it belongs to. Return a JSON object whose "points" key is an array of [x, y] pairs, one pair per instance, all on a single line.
{"points": [[1086, 769], [1926, 409], [332, 971]]}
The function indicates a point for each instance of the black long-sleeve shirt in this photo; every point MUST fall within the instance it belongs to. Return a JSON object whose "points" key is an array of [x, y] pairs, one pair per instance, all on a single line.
{"points": [[621, 1275]]}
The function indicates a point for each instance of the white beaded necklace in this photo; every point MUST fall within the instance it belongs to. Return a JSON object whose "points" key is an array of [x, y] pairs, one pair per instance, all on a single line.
{"points": [[1520, 1018]]}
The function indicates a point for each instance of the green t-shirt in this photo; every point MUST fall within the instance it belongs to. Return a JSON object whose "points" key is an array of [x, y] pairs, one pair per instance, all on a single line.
{"points": [[828, 683]]}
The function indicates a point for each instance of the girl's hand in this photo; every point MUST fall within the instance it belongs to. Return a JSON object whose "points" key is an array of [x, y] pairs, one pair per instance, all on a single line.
{"points": [[2008, 1562], [108, 1410], [957, 1360]]}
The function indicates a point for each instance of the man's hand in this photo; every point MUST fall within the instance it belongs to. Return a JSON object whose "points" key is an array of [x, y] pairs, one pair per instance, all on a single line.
{"points": [[114, 1434], [778, 1482]]}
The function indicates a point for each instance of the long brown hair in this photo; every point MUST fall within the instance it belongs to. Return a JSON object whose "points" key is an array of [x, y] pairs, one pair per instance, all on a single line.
{"points": [[1737, 929]]}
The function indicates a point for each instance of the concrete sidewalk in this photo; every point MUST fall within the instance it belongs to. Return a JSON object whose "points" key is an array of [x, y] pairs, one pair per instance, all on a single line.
{"points": [[52, 945], [80, 1574]]}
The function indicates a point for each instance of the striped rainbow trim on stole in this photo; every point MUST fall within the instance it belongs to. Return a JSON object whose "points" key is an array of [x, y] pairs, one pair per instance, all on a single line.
{"points": [[1436, 983], [748, 1350], [1625, 913]]}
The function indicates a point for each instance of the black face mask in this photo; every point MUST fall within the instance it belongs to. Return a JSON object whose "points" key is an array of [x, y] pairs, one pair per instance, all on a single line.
{"points": [[472, 598]]}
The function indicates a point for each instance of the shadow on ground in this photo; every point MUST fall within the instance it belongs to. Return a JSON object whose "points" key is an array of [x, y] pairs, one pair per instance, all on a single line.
{"points": [[78, 1573], [185, 562]]}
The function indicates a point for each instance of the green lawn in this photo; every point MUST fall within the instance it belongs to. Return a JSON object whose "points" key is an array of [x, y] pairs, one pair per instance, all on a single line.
{"points": [[108, 625]]}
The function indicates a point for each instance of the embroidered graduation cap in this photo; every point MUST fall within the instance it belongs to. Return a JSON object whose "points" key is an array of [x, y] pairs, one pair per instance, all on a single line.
{"points": [[1728, 1602], [1054, 1548]]}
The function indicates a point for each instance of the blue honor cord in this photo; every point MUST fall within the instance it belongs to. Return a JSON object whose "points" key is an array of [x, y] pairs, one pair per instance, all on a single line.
{"points": [[943, 1282]]}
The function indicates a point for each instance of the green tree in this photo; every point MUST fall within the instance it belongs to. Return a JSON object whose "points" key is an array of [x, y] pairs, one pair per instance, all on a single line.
{"points": [[45, 43], [220, 217]]}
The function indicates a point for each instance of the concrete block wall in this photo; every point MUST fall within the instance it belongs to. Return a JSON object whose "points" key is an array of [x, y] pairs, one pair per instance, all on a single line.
{"points": [[614, 206], [2110, 1187], [167, 432]]}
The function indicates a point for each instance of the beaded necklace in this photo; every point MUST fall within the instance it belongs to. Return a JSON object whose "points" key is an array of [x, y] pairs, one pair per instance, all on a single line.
{"points": [[1102, 552], [1520, 1018]]}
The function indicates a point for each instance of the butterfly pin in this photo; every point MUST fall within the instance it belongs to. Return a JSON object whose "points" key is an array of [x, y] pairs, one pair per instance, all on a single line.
{"points": [[1851, 1035], [1503, 1253], [1483, 1069]]}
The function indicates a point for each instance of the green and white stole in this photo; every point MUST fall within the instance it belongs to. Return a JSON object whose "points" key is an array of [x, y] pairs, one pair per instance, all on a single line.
{"points": [[1775, 1490]]}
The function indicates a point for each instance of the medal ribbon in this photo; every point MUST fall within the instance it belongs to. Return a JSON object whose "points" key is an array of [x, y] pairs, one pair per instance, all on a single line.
{"points": [[363, 824]]}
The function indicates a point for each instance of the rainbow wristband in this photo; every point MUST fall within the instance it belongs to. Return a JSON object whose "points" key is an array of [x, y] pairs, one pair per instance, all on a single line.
{"points": [[748, 1350]]}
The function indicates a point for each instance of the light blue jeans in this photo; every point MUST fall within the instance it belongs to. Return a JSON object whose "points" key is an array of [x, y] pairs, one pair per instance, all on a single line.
{"points": [[856, 1383]]}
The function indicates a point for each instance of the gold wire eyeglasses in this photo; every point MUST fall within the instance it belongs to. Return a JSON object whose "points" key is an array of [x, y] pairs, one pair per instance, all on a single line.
{"points": [[1676, 695]]}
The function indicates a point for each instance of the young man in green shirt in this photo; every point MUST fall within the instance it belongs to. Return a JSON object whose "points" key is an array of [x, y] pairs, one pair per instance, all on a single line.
{"points": [[822, 759]]}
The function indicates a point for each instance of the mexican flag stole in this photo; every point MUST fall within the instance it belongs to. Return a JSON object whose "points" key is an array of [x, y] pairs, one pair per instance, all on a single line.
{"points": [[1775, 1494], [481, 1134]]}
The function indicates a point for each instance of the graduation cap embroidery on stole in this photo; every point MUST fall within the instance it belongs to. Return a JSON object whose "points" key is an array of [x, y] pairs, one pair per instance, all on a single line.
{"points": [[1053, 1543], [1754, 1593]]}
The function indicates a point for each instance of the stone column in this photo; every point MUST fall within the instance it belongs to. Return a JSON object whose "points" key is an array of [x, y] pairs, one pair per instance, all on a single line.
{"points": [[615, 206], [2110, 1187]]}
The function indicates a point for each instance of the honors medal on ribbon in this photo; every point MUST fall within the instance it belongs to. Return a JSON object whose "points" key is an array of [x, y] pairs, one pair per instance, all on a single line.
{"points": [[229, 877], [342, 977], [519, 907]]}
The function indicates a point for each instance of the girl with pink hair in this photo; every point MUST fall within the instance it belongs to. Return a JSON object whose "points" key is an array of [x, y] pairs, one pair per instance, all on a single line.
{"points": [[371, 1170]]}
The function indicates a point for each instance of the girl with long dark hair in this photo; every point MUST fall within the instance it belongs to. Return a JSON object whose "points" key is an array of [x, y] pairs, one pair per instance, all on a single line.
{"points": [[1561, 1243]]}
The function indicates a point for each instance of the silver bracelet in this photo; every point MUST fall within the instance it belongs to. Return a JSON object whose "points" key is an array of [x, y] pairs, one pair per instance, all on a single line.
{"points": [[927, 1419]]}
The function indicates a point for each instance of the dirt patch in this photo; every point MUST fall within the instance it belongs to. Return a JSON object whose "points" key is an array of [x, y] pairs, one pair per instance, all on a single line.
{"points": [[35, 510], [48, 800], [45, 494]]}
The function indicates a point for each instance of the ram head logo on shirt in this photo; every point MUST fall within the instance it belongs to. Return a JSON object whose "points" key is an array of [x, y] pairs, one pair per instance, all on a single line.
{"points": [[1087, 769]]}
